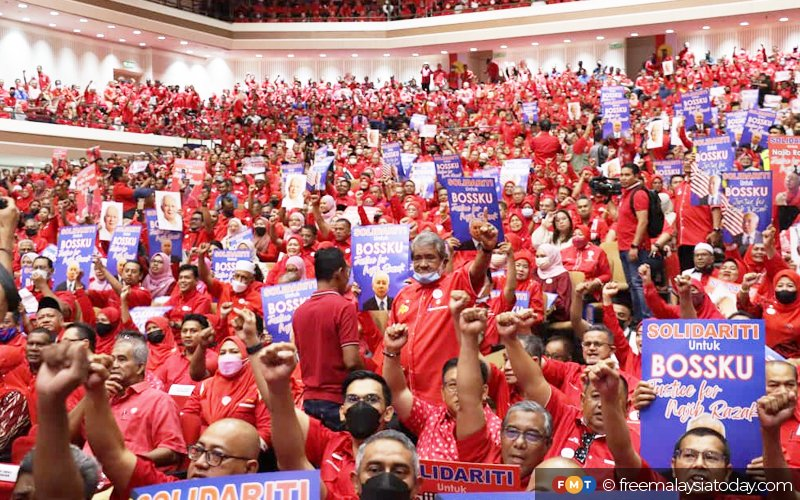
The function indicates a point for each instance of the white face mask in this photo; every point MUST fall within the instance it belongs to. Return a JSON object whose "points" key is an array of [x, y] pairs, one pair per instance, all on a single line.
{"points": [[238, 286], [542, 262]]}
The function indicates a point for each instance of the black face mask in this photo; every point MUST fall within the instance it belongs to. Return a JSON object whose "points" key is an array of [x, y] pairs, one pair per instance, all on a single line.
{"points": [[786, 296], [103, 329], [31, 231], [260, 231], [362, 420], [155, 337], [385, 486]]}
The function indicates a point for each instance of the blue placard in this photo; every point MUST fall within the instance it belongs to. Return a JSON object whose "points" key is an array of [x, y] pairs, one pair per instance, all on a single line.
{"points": [[750, 197], [292, 485], [380, 253], [668, 168], [472, 198], [391, 155], [616, 118], [279, 303], [223, 263], [303, 125], [694, 103], [447, 166], [124, 245], [714, 157], [75, 252], [530, 112], [160, 240], [699, 367], [318, 174], [757, 123]]}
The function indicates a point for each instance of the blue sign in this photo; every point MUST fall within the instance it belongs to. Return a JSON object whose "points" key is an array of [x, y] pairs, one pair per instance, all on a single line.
{"points": [[75, 252], [750, 197], [530, 112], [303, 125], [381, 264], [756, 127], [470, 199], [279, 303], [714, 157], [391, 156], [159, 240], [124, 245], [447, 166], [696, 103], [711, 369], [667, 168], [223, 263], [293, 485], [616, 118]]}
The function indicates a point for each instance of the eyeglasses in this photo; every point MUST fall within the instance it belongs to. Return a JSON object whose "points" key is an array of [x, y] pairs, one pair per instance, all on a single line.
{"points": [[213, 457], [595, 345], [370, 399], [709, 457], [531, 437]]}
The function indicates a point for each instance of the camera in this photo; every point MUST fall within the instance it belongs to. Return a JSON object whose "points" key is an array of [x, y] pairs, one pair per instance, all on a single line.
{"points": [[605, 186]]}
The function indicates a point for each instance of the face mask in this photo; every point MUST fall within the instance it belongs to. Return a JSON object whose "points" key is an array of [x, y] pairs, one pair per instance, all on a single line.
{"points": [[579, 242], [786, 296], [427, 278], [229, 364], [527, 212], [361, 420], [103, 329], [155, 337], [260, 231], [7, 334], [542, 262], [498, 260], [238, 286], [385, 486], [31, 231]]}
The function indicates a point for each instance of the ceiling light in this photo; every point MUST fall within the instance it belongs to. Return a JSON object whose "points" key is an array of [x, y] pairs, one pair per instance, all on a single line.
{"points": [[634, 35], [744, 23], [100, 35], [142, 44], [567, 40], [414, 55], [386, 55], [444, 52], [22, 5], [504, 46], [162, 37], [83, 20], [354, 55], [184, 42], [600, 37], [122, 40], [669, 32], [473, 49], [137, 32], [76, 30], [259, 56], [706, 27], [111, 26], [53, 13], [535, 44], [290, 55], [783, 19]]}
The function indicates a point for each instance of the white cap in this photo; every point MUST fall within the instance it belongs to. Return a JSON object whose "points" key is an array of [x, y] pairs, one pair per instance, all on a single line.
{"points": [[246, 266]]}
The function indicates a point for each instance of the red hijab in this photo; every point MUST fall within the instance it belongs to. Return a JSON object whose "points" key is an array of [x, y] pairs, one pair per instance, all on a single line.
{"points": [[160, 352]]}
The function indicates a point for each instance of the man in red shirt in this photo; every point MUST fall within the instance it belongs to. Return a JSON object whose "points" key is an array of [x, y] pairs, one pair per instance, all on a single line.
{"points": [[185, 298], [422, 307], [302, 442], [326, 334], [148, 418], [632, 238], [545, 146]]}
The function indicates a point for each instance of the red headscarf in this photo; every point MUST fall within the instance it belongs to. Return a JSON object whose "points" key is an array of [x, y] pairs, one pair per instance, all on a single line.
{"points": [[160, 352]]}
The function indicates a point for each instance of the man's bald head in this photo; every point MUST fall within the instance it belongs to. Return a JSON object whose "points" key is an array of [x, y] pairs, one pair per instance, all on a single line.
{"points": [[237, 440]]}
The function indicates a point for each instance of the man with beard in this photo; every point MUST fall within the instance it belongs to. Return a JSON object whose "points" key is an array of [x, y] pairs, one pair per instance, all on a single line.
{"points": [[302, 442]]}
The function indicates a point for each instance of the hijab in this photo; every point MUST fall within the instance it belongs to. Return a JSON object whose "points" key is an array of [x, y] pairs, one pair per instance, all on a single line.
{"points": [[160, 352], [158, 284], [555, 267]]}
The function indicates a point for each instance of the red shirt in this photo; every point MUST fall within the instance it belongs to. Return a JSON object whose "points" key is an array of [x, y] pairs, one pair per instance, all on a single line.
{"points": [[332, 453], [322, 326], [148, 419], [626, 218], [431, 337], [145, 473], [435, 429]]}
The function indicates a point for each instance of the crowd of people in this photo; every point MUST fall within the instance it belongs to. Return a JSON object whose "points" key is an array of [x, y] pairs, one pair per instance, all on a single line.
{"points": [[361, 395], [272, 11]]}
